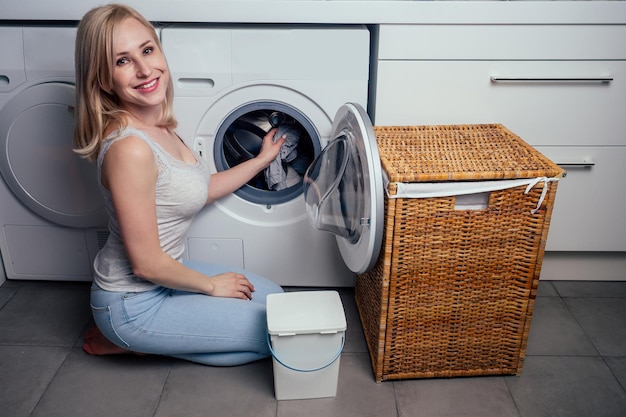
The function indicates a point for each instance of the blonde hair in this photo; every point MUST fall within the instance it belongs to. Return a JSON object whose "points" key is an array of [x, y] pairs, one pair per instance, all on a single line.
{"points": [[97, 106]]}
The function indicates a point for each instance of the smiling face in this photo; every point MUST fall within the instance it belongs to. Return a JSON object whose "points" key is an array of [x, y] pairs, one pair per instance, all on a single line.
{"points": [[140, 74]]}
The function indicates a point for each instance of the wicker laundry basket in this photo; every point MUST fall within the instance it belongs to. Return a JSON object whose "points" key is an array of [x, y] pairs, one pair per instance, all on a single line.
{"points": [[453, 291]]}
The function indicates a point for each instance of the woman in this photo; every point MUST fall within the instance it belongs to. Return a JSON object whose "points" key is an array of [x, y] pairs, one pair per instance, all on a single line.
{"points": [[144, 299]]}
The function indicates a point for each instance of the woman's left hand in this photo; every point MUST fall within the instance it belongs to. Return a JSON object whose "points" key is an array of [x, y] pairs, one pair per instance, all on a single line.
{"points": [[231, 285]]}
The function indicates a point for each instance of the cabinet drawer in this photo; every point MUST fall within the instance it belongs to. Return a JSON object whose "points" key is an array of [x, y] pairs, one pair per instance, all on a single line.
{"points": [[564, 111], [510, 42], [590, 201]]}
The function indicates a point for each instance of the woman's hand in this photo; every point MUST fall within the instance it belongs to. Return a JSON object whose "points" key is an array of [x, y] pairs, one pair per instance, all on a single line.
{"points": [[270, 147], [226, 182], [231, 285]]}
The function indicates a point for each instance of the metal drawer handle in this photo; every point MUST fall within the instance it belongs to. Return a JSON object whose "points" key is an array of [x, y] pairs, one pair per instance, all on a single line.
{"points": [[602, 80], [583, 164]]}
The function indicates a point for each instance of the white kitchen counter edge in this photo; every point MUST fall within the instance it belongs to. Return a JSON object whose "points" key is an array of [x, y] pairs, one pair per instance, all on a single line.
{"points": [[338, 12]]}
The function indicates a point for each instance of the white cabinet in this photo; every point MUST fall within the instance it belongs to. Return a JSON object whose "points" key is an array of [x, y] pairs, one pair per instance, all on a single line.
{"points": [[563, 112], [561, 88], [589, 208]]}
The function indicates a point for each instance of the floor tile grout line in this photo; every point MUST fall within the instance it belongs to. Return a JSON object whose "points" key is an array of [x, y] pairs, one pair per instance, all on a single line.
{"points": [[395, 397], [559, 292], [613, 373], [569, 310], [52, 378], [158, 404], [515, 403], [11, 297]]}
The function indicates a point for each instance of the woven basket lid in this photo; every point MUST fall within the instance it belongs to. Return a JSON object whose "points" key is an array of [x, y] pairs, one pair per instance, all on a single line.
{"points": [[459, 153]]}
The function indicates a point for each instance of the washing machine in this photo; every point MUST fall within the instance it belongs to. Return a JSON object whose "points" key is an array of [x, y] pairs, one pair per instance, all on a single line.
{"points": [[52, 216], [233, 84]]}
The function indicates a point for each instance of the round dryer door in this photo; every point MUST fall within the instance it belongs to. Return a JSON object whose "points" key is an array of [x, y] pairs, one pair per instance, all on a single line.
{"points": [[37, 161], [343, 189]]}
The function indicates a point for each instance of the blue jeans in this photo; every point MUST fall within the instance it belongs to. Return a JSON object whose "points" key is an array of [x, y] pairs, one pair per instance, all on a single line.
{"points": [[195, 327]]}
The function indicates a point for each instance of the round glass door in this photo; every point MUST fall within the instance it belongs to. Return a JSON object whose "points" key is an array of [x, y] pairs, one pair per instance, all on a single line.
{"points": [[37, 161], [343, 189]]}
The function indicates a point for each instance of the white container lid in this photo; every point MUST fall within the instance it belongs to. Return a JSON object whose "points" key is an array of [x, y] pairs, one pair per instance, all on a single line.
{"points": [[304, 312]]}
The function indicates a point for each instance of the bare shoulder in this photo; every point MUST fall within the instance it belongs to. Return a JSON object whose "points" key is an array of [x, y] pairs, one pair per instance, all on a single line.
{"points": [[128, 159], [130, 149]]}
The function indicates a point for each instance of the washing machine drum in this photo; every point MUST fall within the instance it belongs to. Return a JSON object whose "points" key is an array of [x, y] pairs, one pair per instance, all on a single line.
{"points": [[243, 141], [37, 161], [240, 139]]}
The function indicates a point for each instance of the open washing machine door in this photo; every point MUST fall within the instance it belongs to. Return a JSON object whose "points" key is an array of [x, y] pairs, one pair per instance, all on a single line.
{"points": [[343, 189]]}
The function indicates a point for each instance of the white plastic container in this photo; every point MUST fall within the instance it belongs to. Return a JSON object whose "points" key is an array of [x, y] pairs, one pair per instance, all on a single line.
{"points": [[307, 334]]}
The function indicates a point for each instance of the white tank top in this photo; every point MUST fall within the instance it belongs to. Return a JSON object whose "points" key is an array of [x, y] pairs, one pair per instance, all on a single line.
{"points": [[181, 191]]}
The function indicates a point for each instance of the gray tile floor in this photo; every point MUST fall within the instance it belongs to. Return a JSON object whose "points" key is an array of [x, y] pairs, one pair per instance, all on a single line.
{"points": [[575, 366]]}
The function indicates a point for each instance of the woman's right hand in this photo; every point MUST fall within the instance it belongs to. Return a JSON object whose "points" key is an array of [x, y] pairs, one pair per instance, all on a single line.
{"points": [[228, 181], [231, 285], [270, 147]]}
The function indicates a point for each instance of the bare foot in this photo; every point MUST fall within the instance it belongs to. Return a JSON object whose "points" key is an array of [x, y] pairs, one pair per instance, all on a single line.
{"points": [[96, 344]]}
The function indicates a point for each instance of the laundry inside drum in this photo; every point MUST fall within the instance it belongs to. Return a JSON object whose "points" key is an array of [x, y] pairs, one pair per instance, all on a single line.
{"points": [[243, 140]]}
